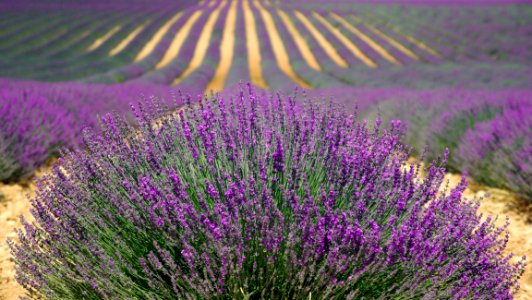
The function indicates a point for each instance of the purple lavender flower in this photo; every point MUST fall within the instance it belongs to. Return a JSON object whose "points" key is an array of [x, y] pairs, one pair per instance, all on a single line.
{"points": [[38, 118]]}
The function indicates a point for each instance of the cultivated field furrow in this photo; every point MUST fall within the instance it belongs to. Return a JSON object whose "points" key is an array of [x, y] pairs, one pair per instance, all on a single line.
{"points": [[132, 69], [253, 45], [197, 76], [152, 43], [203, 43], [384, 38], [11, 21], [10, 43], [64, 38], [355, 60], [155, 67], [128, 39], [102, 39], [75, 48], [397, 50], [351, 46], [321, 40], [366, 39], [227, 47], [239, 73], [327, 65], [281, 56], [443, 26], [34, 37], [418, 34], [75, 59], [416, 46], [93, 40], [302, 58], [179, 63], [267, 61], [302, 45], [22, 28], [179, 40], [128, 69]]}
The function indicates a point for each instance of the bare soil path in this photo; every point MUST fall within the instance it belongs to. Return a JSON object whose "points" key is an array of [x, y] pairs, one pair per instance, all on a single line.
{"points": [[13, 203]]}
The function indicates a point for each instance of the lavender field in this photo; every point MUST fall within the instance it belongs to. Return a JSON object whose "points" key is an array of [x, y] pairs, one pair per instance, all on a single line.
{"points": [[264, 149]]}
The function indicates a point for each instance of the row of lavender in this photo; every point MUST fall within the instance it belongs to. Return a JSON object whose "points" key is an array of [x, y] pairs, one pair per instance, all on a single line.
{"points": [[256, 197], [53, 45], [460, 33], [38, 119], [488, 133]]}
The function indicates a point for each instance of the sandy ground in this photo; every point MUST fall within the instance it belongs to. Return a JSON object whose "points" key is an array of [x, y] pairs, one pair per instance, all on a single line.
{"points": [[14, 202]]}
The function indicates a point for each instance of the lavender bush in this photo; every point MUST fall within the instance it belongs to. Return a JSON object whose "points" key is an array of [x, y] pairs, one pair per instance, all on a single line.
{"points": [[255, 197]]}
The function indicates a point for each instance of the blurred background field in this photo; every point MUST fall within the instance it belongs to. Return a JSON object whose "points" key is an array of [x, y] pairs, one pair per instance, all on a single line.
{"points": [[458, 74]]}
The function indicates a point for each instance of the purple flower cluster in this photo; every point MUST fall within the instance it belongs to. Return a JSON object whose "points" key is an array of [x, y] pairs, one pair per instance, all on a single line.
{"points": [[31, 130], [37, 119], [250, 197]]}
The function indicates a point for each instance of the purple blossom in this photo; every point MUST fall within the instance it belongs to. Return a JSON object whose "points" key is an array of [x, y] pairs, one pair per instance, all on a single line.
{"points": [[38, 119]]}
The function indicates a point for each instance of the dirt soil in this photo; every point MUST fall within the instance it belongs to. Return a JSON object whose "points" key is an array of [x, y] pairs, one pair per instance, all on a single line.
{"points": [[14, 202]]}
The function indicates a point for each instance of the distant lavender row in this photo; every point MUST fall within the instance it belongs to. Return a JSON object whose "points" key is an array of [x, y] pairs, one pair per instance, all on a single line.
{"points": [[501, 34], [488, 132], [38, 118], [499, 151], [424, 46]]}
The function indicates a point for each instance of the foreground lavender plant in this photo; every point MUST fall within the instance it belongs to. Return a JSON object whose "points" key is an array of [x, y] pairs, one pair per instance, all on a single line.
{"points": [[255, 198]]}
